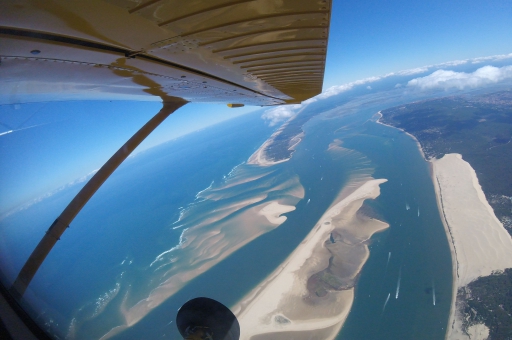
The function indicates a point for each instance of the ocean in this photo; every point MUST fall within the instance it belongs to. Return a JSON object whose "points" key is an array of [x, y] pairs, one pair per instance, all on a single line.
{"points": [[127, 240], [410, 261]]}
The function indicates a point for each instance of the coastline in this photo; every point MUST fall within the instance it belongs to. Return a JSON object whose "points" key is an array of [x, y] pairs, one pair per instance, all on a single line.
{"points": [[284, 303], [407, 133], [479, 244], [451, 244], [259, 157]]}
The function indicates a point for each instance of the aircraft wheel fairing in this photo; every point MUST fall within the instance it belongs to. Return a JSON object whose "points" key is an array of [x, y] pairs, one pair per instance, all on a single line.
{"points": [[209, 317]]}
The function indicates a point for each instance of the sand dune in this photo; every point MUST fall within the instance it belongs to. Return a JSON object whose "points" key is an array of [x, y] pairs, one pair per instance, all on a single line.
{"points": [[479, 242]]}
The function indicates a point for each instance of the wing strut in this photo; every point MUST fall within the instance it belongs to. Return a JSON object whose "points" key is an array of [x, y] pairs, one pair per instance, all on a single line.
{"points": [[66, 217]]}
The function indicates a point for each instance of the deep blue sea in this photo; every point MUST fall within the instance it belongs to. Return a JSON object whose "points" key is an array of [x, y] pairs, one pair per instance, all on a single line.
{"points": [[103, 263]]}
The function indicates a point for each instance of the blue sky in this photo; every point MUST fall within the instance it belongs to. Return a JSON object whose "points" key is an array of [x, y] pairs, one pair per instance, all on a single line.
{"points": [[374, 37], [55, 143]]}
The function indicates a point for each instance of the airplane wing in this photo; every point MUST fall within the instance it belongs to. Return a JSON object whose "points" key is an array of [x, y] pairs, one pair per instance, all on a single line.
{"points": [[252, 52]]}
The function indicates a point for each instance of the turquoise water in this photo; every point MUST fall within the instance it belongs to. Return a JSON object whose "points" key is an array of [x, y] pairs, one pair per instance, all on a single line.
{"points": [[416, 240], [110, 245], [103, 263], [418, 246]]}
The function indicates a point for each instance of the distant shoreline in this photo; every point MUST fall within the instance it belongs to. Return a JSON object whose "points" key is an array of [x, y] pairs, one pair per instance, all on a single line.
{"points": [[407, 133]]}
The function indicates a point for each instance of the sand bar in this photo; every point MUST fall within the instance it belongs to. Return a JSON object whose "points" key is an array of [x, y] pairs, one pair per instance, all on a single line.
{"points": [[211, 234], [274, 210], [478, 241], [279, 308]]}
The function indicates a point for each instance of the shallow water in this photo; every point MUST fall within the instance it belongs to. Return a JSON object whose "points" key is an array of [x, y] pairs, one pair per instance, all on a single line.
{"points": [[126, 241], [411, 256]]}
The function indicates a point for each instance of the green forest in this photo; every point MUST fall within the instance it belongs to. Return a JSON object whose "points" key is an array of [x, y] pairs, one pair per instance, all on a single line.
{"points": [[488, 300]]}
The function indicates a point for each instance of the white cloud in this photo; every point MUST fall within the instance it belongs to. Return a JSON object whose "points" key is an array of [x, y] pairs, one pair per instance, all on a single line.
{"points": [[449, 79], [491, 58], [31, 202], [337, 89], [453, 63], [368, 87], [424, 69], [280, 113], [409, 72]]}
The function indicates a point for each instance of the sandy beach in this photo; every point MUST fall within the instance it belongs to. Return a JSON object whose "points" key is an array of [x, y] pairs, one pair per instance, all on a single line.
{"points": [[283, 306], [479, 243]]}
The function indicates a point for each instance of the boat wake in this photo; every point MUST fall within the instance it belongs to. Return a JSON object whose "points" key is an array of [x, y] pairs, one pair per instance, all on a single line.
{"points": [[387, 264], [385, 303], [398, 283], [433, 293]]}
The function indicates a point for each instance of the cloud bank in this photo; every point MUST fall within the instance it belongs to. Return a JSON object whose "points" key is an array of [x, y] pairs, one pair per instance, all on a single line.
{"points": [[443, 79], [280, 113], [337, 89], [440, 78]]}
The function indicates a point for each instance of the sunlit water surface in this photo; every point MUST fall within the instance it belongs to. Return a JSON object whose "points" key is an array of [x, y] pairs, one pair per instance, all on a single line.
{"points": [[130, 238]]}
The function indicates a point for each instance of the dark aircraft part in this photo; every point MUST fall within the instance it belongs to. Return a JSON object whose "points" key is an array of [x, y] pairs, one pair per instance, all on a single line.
{"points": [[204, 318]]}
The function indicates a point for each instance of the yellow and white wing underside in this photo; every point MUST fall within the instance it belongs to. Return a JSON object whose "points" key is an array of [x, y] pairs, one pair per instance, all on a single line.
{"points": [[253, 52]]}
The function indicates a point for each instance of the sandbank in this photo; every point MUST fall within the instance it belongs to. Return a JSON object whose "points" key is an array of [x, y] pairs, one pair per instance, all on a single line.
{"points": [[274, 210], [211, 235], [282, 307], [479, 243]]}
